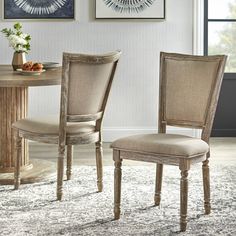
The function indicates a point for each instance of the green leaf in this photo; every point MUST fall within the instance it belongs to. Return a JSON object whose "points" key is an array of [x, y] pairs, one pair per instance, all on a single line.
{"points": [[17, 26], [28, 38]]}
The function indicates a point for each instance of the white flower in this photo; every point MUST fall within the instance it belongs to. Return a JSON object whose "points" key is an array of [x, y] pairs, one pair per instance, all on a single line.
{"points": [[20, 48], [17, 40], [24, 35], [14, 39]]}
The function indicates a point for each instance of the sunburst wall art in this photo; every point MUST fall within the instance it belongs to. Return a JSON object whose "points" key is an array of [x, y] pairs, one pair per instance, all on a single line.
{"points": [[38, 9], [130, 9]]}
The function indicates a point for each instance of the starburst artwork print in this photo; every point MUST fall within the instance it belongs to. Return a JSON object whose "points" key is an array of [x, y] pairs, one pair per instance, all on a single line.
{"points": [[153, 9], [39, 9]]}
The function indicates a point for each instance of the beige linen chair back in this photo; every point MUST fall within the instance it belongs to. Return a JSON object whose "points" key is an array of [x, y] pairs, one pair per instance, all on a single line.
{"points": [[86, 82], [189, 90]]}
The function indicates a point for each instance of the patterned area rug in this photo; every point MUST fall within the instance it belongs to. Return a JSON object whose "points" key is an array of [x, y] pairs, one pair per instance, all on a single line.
{"points": [[33, 210]]}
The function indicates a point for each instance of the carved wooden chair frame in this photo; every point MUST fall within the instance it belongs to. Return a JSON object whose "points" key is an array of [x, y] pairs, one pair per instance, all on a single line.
{"points": [[69, 140], [183, 163]]}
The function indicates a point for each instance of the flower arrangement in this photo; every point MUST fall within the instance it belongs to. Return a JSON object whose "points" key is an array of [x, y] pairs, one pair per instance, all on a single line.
{"points": [[19, 41]]}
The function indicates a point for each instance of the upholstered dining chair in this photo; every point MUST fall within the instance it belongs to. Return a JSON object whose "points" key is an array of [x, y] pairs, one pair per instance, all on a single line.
{"points": [[86, 83], [189, 91]]}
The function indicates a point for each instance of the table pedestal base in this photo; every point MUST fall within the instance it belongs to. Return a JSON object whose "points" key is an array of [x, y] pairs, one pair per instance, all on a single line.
{"points": [[13, 106], [42, 170]]}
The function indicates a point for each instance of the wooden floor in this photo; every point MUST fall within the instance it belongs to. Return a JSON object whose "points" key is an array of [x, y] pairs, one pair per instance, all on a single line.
{"points": [[223, 150]]}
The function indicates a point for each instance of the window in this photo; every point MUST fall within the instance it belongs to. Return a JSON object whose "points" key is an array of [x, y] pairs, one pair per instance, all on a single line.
{"points": [[220, 31]]}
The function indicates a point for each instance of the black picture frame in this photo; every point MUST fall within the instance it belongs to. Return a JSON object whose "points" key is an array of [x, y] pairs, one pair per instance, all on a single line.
{"points": [[157, 16], [12, 11]]}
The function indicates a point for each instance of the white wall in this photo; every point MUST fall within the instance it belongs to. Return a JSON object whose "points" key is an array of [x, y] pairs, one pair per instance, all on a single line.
{"points": [[132, 107]]}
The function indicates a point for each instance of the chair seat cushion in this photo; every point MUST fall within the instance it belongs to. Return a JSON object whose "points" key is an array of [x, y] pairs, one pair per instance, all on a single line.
{"points": [[50, 125], [163, 144]]}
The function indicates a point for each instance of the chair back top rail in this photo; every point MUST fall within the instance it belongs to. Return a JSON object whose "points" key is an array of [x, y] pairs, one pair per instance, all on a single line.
{"points": [[96, 59]]}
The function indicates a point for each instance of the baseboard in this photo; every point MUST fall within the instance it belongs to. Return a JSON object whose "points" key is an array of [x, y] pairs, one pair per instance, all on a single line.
{"points": [[112, 133]]}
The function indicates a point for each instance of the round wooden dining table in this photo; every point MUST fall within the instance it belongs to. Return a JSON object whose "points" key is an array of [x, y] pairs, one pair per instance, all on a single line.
{"points": [[14, 106]]}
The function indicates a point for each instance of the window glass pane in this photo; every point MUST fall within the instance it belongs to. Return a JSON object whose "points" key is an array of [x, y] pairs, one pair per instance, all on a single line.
{"points": [[221, 9], [222, 40]]}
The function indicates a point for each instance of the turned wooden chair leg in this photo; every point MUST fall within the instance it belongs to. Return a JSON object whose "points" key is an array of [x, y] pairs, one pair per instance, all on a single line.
{"points": [[117, 183], [69, 161], [206, 186], [157, 197], [60, 171], [99, 155], [17, 161], [184, 167]]}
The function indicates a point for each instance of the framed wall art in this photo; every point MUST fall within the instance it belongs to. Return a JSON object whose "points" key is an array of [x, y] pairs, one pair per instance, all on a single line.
{"points": [[130, 9], [38, 9]]}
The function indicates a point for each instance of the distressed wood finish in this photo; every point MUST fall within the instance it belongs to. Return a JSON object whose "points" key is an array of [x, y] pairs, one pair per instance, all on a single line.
{"points": [[117, 183], [159, 171], [160, 159], [69, 161], [206, 187], [18, 160], [184, 168], [99, 155], [60, 169], [84, 118], [10, 78], [184, 163], [53, 139], [64, 139], [14, 106], [62, 125], [64, 117]]}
